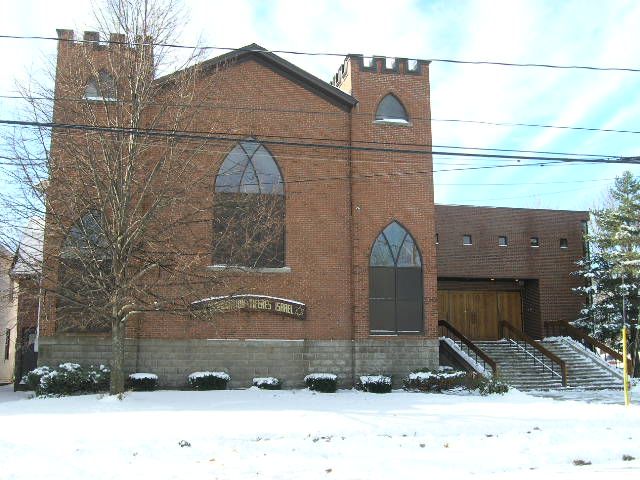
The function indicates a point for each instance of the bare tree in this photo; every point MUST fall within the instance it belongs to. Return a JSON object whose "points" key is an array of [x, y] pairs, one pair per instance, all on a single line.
{"points": [[126, 160]]}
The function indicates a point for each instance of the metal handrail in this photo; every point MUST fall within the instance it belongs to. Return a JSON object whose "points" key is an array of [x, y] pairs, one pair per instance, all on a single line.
{"points": [[454, 333], [579, 335], [529, 341], [535, 359]]}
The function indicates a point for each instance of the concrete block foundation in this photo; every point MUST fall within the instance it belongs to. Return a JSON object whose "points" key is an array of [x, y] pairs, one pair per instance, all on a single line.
{"points": [[289, 360]]}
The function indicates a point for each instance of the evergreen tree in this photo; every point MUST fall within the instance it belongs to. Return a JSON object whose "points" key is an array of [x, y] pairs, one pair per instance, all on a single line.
{"points": [[612, 270]]}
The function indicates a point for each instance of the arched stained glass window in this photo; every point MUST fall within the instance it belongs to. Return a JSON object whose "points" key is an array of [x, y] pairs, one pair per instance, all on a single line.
{"points": [[83, 278], [395, 283], [248, 224], [391, 110], [86, 237], [249, 168]]}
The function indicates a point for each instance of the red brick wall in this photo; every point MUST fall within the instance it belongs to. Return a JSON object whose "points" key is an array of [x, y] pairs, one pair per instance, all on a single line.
{"points": [[398, 192], [549, 264], [317, 212]]}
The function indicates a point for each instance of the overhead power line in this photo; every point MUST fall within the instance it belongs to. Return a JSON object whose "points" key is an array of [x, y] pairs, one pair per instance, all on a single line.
{"points": [[326, 54], [198, 136], [316, 112]]}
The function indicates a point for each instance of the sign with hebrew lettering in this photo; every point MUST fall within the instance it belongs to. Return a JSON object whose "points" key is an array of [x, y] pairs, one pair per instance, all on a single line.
{"points": [[252, 303]]}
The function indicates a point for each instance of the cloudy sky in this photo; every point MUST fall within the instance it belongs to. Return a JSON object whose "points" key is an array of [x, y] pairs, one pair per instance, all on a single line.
{"points": [[579, 32]]}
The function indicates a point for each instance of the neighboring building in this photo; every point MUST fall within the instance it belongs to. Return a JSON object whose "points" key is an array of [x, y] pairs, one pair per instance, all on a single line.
{"points": [[352, 283], [7, 318], [25, 275]]}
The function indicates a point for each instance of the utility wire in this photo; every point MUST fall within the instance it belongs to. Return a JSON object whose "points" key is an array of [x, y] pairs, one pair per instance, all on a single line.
{"points": [[315, 112], [318, 54], [198, 136]]}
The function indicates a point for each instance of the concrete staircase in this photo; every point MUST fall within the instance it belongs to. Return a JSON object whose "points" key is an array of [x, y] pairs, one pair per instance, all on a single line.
{"points": [[518, 368], [523, 372], [585, 368]]}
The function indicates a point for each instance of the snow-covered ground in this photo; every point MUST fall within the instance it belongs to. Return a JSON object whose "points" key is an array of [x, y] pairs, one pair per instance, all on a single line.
{"points": [[297, 434]]}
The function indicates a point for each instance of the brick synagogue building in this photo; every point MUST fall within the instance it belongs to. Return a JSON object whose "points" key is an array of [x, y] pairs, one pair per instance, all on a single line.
{"points": [[366, 263]]}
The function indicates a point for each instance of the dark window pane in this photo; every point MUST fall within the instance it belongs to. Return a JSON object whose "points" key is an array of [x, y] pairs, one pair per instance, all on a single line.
{"points": [[382, 282], [382, 316], [390, 108], [248, 230], [535, 242], [564, 243], [409, 316], [502, 241], [82, 290], [409, 283]]}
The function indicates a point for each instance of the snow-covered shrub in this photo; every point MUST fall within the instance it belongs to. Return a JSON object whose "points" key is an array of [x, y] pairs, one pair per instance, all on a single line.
{"points": [[142, 382], [493, 385], [374, 383], [442, 380], [208, 380], [322, 382], [33, 377], [267, 383], [430, 381], [67, 379]]}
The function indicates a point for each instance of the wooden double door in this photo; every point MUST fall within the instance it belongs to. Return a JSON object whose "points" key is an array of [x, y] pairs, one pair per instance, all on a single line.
{"points": [[477, 313]]}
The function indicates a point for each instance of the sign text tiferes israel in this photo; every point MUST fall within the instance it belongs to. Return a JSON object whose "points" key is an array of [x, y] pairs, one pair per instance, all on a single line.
{"points": [[254, 303]]}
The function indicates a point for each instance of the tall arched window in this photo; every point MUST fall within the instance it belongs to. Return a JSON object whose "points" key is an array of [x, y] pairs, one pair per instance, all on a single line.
{"points": [[83, 279], [395, 283], [248, 225], [390, 109]]}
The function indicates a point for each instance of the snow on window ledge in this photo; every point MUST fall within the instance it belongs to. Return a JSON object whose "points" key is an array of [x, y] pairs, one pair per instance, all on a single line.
{"points": [[239, 268], [100, 99], [393, 121]]}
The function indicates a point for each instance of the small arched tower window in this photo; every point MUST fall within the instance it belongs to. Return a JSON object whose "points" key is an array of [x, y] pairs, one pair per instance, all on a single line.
{"points": [[102, 87], [390, 109], [248, 224], [395, 283]]}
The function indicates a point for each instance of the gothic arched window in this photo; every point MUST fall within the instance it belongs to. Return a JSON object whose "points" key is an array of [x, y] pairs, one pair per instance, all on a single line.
{"points": [[395, 283], [248, 224], [391, 110], [83, 278], [102, 87]]}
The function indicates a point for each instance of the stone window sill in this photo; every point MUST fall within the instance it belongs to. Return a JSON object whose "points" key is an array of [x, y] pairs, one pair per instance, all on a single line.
{"points": [[100, 99], [239, 268], [394, 123]]}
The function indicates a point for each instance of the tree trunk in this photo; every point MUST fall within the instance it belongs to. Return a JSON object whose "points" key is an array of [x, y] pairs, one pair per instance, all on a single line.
{"points": [[117, 357]]}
